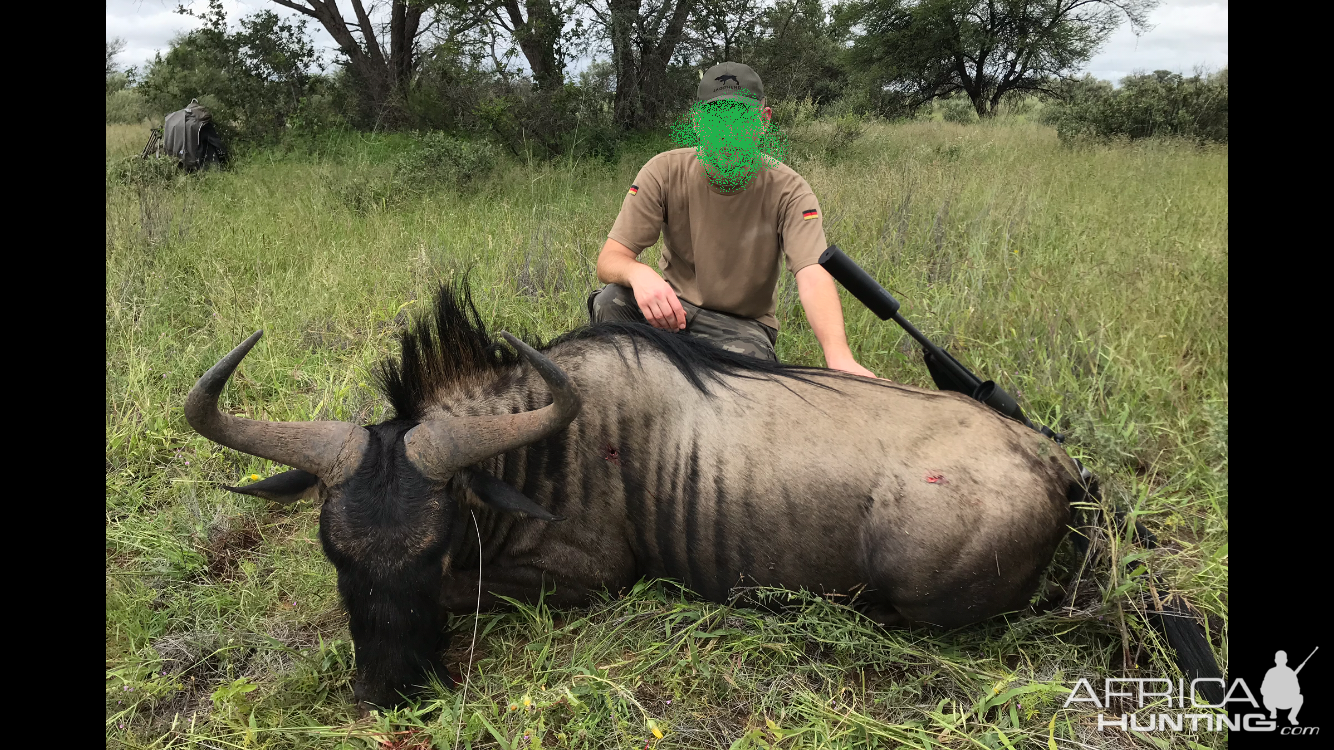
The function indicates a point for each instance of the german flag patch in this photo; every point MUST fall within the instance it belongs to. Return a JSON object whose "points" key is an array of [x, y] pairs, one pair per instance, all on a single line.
{"points": [[634, 189], [811, 214]]}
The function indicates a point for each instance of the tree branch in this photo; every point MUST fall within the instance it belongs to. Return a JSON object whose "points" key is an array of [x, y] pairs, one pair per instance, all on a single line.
{"points": [[368, 33], [299, 8]]}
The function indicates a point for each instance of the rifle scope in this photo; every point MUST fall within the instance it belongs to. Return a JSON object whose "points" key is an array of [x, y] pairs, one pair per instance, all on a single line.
{"points": [[953, 375]]}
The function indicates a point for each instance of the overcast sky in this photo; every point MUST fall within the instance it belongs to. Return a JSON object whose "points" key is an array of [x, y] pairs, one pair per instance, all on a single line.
{"points": [[1185, 34]]}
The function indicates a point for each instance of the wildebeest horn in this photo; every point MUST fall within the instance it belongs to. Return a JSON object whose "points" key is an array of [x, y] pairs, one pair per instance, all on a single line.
{"points": [[441, 447], [328, 450]]}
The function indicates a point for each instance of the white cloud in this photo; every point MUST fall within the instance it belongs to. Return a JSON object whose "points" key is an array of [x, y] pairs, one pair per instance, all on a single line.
{"points": [[1185, 34], [147, 26]]}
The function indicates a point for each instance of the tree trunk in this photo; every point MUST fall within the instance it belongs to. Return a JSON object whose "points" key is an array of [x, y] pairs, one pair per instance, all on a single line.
{"points": [[404, 22], [655, 65], [624, 14], [641, 80], [538, 36], [382, 84]]}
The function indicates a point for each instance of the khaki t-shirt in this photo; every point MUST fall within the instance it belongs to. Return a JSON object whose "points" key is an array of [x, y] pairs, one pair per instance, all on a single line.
{"points": [[721, 252]]}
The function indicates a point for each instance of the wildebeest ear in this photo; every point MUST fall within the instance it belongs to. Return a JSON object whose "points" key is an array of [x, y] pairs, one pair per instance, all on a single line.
{"points": [[285, 488], [501, 496]]}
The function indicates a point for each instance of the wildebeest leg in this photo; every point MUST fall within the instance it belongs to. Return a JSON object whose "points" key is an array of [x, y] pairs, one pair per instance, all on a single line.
{"points": [[884, 614], [459, 593], [957, 554]]}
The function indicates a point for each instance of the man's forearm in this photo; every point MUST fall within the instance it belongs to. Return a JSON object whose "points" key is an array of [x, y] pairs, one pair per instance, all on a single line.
{"points": [[819, 298], [617, 264], [657, 300]]}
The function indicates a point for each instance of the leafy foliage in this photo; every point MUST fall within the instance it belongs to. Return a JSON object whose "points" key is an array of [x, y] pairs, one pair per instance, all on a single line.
{"points": [[253, 79], [1157, 103], [441, 159], [574, 120], [958, 109], [926, 49]]}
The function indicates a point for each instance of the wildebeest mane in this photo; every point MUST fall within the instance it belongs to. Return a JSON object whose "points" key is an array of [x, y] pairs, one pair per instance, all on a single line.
{"points": [[452, 344], [699, 362], [440, 350]]}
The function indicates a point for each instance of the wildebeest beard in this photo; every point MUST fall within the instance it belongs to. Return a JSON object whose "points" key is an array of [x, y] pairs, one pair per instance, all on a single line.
{"points": [[385, 530]]}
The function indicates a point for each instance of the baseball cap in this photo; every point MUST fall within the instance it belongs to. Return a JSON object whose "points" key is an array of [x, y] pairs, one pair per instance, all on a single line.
{"points": [[725, 80]]}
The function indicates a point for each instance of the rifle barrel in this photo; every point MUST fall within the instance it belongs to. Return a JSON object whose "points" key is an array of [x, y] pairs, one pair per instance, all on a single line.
{"points": [[866, 289], [1299, 666]]}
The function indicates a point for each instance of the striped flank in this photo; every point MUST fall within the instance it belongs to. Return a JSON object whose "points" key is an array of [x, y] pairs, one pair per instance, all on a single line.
{"points": [[811, 214]]}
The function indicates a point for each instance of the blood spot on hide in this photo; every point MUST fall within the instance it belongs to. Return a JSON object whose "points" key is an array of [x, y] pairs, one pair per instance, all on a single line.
{"points": [[936, 478], [610, 453]]}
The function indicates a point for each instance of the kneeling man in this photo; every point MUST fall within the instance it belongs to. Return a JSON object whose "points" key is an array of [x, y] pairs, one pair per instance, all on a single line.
{"points": [[726, 214]]}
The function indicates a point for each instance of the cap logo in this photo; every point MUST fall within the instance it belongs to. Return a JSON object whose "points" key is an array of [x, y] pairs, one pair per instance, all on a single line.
{"points": [[723, 79]]}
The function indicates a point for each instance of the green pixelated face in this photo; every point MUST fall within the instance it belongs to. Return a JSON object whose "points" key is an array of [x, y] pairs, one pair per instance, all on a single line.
{"points": [[730, 136]]}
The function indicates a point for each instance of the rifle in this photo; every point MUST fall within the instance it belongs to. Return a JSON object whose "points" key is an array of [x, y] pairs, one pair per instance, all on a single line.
{"points": [[1299, 667], [948, 373]]}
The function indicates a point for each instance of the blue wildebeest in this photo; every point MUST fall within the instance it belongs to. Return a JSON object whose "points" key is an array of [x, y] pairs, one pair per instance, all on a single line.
{"points": [[666, 458]]}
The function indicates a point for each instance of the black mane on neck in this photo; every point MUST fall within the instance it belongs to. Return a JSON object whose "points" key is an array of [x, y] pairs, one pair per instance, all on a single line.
{"points": [[452, 345]]}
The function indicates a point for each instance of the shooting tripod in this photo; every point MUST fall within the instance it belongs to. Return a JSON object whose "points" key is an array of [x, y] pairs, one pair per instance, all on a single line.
{"points": [[154, 145]]}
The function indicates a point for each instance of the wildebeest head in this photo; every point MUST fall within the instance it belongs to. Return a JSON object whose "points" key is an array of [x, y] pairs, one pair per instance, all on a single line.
{"points": [[389, 495]]}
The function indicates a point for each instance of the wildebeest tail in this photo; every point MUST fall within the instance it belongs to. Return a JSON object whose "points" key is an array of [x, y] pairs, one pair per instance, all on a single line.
{"points": [[1169, 613]]}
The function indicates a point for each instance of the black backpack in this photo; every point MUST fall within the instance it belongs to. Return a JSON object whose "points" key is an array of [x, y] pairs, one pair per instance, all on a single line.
{"points": [[190, 137]]}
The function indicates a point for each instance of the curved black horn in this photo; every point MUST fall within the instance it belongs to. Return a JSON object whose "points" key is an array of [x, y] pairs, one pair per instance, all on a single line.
{"points": [[325, 449], [441, 447]]}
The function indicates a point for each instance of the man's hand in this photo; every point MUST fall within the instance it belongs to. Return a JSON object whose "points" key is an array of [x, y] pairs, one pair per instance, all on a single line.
{"points": [[657, 300], [848, 365], [617, 264]]}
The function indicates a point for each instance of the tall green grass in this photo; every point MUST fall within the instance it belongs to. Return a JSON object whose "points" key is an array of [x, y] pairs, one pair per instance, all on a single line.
{"points": [[1091, 282]]}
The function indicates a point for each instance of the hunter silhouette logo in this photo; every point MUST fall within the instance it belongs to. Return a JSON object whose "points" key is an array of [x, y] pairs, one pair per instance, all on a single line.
{"points": [[1281, 689], [724, 78]]}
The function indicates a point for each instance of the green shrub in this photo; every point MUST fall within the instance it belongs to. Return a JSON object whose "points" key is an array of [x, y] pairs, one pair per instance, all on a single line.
{"points": [[958, 109], [126, 107], [847, 130], [363, 193], [136, 171], [443, 160], [856, 102], [253, 77], [573, 121], [794, 114], [1159, 103]]}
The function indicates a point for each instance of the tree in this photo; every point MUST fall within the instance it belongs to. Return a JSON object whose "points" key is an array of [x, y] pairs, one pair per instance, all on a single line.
{"points": [[799, 54], [722, 29], [1145, 105], [382, 80], [924, 49], [538, 36], [114, 47], [117, 79], [791, 44], [644, 37], [253, 78]]}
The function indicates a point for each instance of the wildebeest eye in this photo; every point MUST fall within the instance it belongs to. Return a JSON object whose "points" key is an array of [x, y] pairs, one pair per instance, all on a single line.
{"points": [[285, 488]]}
